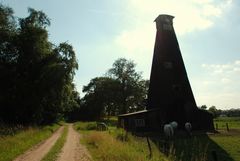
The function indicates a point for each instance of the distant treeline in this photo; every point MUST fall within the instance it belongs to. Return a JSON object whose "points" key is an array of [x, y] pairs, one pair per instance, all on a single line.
{"points": [[231, 112], [36, 76], [218, 112]]}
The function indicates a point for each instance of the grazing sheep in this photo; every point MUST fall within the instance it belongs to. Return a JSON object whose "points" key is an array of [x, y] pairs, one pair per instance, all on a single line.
{"points": [[188, 127], [168, 131], [174, 124]]}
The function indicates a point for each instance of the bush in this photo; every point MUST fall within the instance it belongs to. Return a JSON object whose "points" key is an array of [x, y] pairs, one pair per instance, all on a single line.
{"points": [[86, 126], [91, 126], [6, 129]]}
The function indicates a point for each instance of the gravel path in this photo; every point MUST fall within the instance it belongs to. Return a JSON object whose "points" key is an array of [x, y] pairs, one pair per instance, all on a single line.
{"points": [[73, 150], [40, 150]]}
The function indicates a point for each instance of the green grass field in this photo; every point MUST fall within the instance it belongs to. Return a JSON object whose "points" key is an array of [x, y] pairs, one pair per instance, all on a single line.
{"points": [[17, 143], [110, 145], [233, 123]]}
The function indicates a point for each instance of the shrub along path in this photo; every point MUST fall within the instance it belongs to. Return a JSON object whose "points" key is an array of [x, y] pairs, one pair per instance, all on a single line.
{"points": [[39, 151], [73, 150]]}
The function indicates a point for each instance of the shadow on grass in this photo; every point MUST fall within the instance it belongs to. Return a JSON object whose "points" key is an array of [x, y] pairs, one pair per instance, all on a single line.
{"points": [[195, 148]]}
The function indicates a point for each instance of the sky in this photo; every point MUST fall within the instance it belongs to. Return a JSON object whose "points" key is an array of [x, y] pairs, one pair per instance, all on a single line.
{"points": [[102, 31]]}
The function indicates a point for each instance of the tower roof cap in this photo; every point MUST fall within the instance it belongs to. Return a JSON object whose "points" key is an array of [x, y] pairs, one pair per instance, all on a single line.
{"points": [[164, 18]]}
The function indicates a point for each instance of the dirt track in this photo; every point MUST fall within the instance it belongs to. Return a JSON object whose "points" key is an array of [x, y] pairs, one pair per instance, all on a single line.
{"points": [[39, 151], [73, 150]]}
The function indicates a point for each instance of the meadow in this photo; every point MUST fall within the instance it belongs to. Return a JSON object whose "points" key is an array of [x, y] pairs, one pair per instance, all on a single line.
{"points": [[116, 144], [119, 145], [233, 123]]}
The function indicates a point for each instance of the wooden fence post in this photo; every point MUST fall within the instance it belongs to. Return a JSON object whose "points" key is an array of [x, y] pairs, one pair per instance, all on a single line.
{"points": [[150, 149], [216, 126], [214, 154], [227, 126]]}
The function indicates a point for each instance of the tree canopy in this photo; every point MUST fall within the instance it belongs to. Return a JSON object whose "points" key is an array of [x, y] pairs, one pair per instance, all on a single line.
{"points": [[122, 90], [36, 76]]}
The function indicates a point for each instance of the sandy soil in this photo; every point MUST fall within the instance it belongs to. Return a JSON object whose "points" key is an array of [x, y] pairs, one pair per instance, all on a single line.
{"points": [[39, 151], [73, 150]]}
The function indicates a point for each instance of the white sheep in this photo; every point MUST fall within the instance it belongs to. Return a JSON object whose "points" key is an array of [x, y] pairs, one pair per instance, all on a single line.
{"points": [[168, 131], [174, 124], [188, 127]]}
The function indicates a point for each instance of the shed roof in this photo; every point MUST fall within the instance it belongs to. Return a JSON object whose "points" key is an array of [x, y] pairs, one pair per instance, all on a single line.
{"points": [[139, 112]]}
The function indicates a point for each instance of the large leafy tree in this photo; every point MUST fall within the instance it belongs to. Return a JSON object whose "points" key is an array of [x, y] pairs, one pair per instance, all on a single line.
{"points": [[101, 98], [8, 59], [122, 90], [133, 88], [36, 76]]}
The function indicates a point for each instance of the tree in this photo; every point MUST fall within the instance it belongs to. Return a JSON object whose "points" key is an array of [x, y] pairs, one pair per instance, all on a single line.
{"points": [[133, 89], [122, 90], [232, 112], [101, 98], [214, 111], [36, 75], [203, 107], [8, 56], [131, 84]]}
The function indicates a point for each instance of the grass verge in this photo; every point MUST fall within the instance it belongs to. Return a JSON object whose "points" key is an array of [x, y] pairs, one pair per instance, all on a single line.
{"points": [[12, 146], [109, 146], [55, 150]]}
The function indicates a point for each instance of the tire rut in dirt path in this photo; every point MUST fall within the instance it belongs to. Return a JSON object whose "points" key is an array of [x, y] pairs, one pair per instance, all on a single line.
{"points": [[37, 152], [73, 150]]}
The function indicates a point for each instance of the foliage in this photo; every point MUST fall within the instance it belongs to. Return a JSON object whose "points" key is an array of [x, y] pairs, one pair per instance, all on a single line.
{"points": [[36, 79], [203, 107], [122, 90], [56, 149], [101, 97], [233, 112], [85, 126], [10, 129], [214, 111], [12, 146], [133, 89], [92, 125], [110, 121]]}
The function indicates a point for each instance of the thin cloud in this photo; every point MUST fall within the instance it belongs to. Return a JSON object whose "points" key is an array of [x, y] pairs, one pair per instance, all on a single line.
{"points": [[220, 85], [191, 15], [225, 69]]}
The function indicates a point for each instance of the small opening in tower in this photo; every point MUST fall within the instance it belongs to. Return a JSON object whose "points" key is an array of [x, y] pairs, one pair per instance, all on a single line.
{"points": [[176, 88], [168, 65]]}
